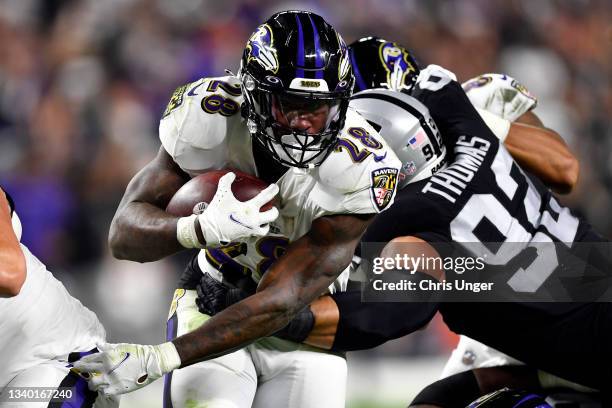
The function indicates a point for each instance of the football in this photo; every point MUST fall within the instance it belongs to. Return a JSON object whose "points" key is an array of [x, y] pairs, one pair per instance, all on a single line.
{"points": [[202, 188]]}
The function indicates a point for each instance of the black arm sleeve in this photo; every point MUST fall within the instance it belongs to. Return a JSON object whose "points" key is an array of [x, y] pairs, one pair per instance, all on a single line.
{"points": [[364, 325]]}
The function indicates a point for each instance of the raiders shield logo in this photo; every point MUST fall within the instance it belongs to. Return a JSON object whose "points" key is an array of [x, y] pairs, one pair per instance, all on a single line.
{"points": [[384, 182], [175, 100]]}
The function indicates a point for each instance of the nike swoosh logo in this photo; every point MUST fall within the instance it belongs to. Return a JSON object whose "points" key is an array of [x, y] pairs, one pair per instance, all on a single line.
{"points": [[192, 90], [380, 158], [116, 366], [231, 217]]}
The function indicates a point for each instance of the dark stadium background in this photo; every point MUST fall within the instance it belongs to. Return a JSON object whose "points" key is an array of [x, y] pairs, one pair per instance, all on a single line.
{"points": [[83, 84]]}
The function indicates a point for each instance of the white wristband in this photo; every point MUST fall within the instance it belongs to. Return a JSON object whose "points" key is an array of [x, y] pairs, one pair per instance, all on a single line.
{"points": [[169, 358], [499, 126], [186, 233]]}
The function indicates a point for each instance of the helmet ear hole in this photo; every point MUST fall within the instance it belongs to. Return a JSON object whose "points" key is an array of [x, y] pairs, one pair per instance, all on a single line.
{"points": [[296, 80]]}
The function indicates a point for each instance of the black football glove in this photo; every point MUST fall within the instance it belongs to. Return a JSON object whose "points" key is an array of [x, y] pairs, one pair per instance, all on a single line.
{"points": [[214, 296]]}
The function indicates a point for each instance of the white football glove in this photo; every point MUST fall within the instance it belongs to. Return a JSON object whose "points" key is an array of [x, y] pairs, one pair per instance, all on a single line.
{"points": [[500, 94], [227, 219], [122, 368]]}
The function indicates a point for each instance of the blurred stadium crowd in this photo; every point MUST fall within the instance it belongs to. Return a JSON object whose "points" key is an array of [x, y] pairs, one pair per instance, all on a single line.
{"points": [[83, 85]]}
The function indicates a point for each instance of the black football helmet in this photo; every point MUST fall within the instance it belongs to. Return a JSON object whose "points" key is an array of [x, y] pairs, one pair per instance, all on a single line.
{"points": [[296, 81], [379, 63]]}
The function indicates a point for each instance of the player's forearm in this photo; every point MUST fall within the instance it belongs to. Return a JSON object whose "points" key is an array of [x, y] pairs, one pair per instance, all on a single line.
{"points": [[542, 152], [308, 267], [257, 316], [343, 322], [142, 232], [326, 316]]}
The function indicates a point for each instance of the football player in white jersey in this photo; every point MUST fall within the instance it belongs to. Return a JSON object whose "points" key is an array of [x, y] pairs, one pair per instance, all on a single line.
{"points": [[43, 329], [504, 104], [540, 150], [332, 172]]}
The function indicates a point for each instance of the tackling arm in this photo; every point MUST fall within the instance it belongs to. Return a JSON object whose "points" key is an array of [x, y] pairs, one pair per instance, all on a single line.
{"points": [[12, 261], [343, 322], [308, 267], [141, 230], [506, 106], [306, 270], [542, 152]]}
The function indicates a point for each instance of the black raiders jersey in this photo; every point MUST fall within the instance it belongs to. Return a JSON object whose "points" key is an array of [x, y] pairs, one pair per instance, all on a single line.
{"points": [[484, 197]]}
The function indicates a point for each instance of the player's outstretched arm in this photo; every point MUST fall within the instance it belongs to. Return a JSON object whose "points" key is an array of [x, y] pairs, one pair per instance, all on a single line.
{"points": [[507, 107], [141, 230], [12, 261], [305, 271], [543, 152], [343, 322], [308, 267]]}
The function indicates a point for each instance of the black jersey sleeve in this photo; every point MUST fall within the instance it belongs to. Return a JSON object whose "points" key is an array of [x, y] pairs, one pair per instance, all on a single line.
{"points": [[450, 108], [364, 325]]}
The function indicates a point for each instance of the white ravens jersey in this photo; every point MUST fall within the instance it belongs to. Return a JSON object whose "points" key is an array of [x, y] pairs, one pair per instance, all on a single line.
{"points": [[43, 322], [202, 129]]}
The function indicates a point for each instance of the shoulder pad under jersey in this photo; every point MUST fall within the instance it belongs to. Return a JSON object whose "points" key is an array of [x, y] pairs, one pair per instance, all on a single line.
{"points": [[360, 175], [198, 120]]}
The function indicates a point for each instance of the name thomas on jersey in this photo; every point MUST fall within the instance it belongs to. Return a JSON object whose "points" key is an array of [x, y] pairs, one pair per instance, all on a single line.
{"points": [[470, 152]]}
